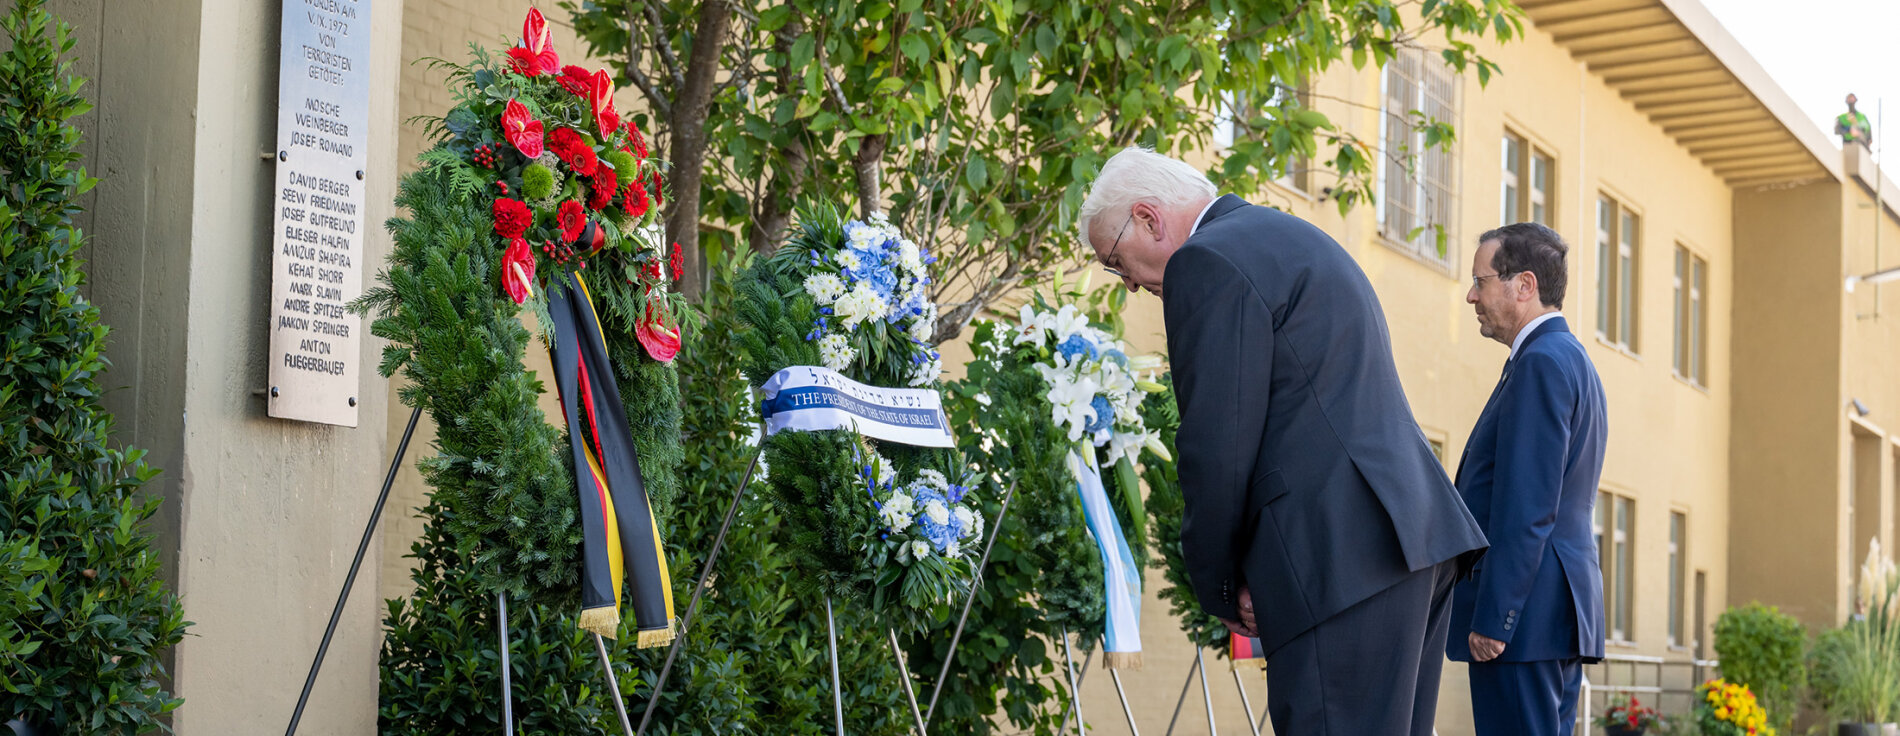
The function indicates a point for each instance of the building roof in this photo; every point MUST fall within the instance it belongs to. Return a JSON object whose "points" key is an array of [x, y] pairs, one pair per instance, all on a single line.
{"points": [[1681, 68]]}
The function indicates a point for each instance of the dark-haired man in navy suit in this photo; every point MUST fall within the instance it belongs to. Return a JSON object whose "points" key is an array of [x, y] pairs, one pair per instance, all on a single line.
{"points": [[1530, 616]]}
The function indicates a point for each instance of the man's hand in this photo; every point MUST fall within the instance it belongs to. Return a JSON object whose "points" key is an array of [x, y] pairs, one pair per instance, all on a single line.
{"points": [[1245, 626], [1484, 648]]}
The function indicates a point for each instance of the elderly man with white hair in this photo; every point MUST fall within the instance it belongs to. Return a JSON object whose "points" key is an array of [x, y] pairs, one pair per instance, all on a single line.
{"points": [[1317, 517]]}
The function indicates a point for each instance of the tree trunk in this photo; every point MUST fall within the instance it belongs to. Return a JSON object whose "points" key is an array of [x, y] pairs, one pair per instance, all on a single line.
{"points": [[870, 171], [688, 131]]}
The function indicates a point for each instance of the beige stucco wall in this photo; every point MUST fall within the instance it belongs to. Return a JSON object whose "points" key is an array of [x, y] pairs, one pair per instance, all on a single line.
{"points": [[261, 515]]}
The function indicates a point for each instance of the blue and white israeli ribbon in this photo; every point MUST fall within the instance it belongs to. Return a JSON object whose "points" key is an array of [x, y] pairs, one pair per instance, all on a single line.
{"points": [[1122, 648], [807, 398]]}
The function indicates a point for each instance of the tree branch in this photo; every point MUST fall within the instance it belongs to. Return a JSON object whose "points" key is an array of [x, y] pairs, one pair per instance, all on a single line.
{"points": [[661, 42]]}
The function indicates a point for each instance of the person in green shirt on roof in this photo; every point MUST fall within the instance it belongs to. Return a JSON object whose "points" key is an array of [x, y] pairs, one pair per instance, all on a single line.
{"points": [[1852, 125]]}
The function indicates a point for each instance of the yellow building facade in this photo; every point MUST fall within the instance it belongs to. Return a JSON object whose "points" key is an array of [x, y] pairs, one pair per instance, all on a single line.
{"points": [[1739, 466]]}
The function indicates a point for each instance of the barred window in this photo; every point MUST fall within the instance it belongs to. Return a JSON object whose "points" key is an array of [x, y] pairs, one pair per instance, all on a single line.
{"points": [[1425, 195]]}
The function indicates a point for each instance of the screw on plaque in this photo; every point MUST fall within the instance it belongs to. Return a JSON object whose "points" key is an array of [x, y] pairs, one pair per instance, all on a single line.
{"points": [[359, 174], [273, 392], [283, 155], [352, 401]]}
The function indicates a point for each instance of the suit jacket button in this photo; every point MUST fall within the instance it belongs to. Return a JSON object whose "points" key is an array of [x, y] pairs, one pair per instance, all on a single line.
{"points": [[1507, 627]]}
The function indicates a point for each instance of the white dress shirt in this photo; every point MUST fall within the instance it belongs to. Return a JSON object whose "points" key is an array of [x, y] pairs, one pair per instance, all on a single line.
{"points": [[1202, 216], [1529, 328]]}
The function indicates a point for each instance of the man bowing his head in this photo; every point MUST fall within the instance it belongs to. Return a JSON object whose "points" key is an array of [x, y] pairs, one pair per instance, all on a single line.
{"points": [[1317, 517]]}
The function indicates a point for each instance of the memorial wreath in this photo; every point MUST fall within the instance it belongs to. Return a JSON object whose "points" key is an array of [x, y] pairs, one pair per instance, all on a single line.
{"points": [[538, 197]]}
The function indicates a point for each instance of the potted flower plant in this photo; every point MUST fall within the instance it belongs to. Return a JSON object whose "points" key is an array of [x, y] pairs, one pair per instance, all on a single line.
{"points": [[1729, 709], [1857, 669], [1627, 716]]}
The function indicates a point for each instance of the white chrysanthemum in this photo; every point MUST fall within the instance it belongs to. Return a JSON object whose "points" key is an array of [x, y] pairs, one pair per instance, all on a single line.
{"points": [[927, 372], [953, 550], [922, 328], [937, 512], [882, 468], [933, 479], [824, 288], [974, 529], [859, 305], [836, 352], [848, 260], [910, 257], [920, 549], [898, 512]]}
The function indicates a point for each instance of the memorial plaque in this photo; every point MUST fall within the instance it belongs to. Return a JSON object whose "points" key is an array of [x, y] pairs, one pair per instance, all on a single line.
{"points": [[319, 225]]}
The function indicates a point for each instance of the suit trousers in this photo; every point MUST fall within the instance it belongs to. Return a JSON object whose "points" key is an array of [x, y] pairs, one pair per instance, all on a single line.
{"points": [[1525, 698], [1371, 670]]}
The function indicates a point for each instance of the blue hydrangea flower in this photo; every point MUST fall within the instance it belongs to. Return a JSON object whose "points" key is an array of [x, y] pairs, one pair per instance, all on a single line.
{"points": [[1118, 356], [1104, 414], [1078, 345]]}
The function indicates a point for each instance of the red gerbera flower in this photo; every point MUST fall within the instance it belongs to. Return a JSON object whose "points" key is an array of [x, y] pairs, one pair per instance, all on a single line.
{"points": [[573, 220], [601, 192], [512, 218], [638, 140], [601, 97], [567, 144], [635, 200], [677, 262], [517, 271], [659, 190], [521, 130], [534, 56], [575, 80]]}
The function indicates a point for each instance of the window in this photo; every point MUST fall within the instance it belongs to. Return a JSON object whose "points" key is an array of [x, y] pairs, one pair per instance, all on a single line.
{"points": [[1230, 126], [1678, 556], [1416, 198], [1438, 449], [1691, 306], [1527, 179], [1615, 526], [1619, 234]]}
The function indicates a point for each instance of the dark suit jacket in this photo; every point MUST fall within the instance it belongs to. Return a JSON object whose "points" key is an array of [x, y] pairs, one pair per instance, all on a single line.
{"points": [[1530, 476], [1305, 476]]}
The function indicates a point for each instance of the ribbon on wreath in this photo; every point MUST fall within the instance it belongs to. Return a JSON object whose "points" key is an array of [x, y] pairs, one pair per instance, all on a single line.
{"points": [[808, 398], [1244, 652], [619, 536], [1122, 634]]}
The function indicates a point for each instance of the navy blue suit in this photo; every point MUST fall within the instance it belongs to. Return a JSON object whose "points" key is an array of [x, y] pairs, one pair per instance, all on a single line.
{"points": [[1529, 476]]}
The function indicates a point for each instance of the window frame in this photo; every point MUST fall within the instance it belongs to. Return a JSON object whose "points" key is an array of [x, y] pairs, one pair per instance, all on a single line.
{"points": [[1689, 356], [1613, 524], [1678, 579], [1520, 192], [1416, 202], [1619, 284]]}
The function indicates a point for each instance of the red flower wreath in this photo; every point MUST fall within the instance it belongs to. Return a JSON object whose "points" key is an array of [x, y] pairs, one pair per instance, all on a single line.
{"points": [[512, 217], [517, 271]]}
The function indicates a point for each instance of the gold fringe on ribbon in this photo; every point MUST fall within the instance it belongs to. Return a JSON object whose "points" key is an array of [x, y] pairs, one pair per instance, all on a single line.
{"points": [[604, 621], [655, 637], [1121, 660], [1254, 664]]}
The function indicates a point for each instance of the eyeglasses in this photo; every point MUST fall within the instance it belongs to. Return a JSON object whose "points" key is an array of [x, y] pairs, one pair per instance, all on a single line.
{"points": [[1477, 282], [1117, 246]]}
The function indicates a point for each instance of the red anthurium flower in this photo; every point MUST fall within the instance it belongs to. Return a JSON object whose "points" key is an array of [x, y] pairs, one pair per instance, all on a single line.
{"points": [[661, 342], [521, 130], [601, 96], [573, 219], [517, 271], [539, 57], [576, 80], [639, 141]]}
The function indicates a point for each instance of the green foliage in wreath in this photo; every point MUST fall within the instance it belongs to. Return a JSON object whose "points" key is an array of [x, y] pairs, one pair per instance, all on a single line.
{"points": [[84, 612], [1165, 508], [470, 259], [856, 509]]}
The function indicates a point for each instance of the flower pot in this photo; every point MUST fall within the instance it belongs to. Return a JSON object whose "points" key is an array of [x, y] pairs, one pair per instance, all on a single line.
{"points": [[1867, 729], [1621, 730]]}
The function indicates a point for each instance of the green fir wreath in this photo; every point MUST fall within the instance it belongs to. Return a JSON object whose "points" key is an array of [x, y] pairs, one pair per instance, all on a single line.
{"points": [[880, 522], [532, 172], [1165, 507]]}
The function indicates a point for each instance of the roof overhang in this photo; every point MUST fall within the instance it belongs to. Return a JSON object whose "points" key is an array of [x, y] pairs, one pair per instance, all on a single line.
{"points": [[1682, 69]]}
